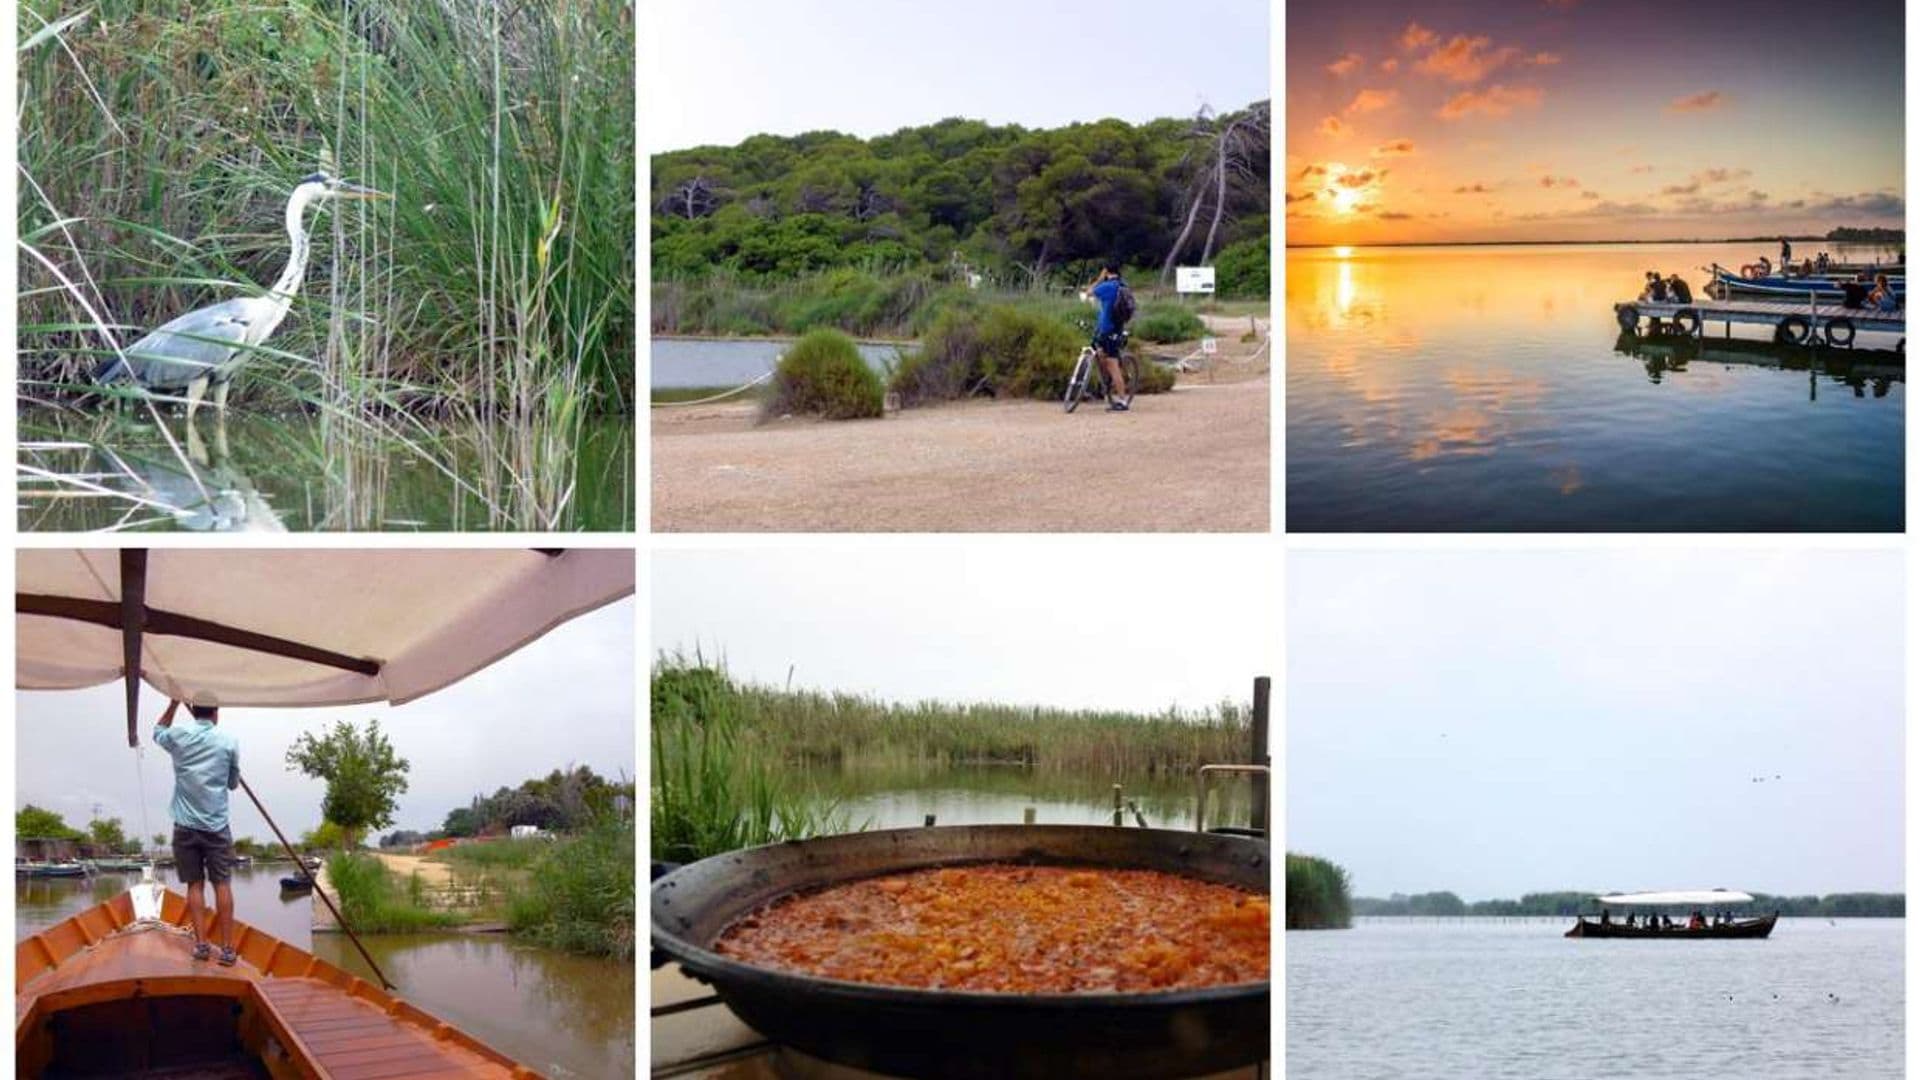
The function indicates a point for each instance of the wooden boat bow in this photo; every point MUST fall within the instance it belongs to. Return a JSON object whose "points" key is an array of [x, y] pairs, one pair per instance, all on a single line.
{"points": [[128, 996]]}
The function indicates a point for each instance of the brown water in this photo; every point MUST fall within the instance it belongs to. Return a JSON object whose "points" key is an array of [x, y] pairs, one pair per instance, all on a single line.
{"points": [[563, 1015]]}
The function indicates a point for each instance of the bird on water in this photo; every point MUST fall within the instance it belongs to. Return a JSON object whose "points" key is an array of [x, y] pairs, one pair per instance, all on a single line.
{"points": [[206, 347]]}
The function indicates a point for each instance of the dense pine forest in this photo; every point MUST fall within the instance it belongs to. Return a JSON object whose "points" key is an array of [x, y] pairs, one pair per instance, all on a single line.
{"points": [[1019, 208]]}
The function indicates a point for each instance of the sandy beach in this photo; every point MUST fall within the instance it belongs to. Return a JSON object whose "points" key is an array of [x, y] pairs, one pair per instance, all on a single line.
{"points": [[1193, 460]]}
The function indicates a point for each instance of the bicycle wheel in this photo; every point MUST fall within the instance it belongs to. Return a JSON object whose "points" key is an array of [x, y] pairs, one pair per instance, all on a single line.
{"points": [[1077, 385]]}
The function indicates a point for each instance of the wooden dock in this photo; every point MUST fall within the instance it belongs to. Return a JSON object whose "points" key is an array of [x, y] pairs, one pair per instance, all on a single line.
{"points": [[1793, 323]]}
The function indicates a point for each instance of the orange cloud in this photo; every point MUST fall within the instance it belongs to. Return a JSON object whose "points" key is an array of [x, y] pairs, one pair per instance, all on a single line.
{"points": [[1333, 126], [1346, 63], [1544, 59], [1700, 102], [1466, 59], [1495, 100], [1415, 35], [1390, 64], [1641, 169], [1551, 181], [1396, 148], [1372, 101]]}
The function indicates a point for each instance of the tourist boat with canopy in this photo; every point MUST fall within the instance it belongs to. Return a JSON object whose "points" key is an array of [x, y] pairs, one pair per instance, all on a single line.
{"points": [[1796, 287], [114, 990], [1649, 915]]}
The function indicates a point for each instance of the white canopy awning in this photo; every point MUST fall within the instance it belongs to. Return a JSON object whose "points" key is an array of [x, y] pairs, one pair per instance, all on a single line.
{"points": [[290, 628], [1678, 898]]}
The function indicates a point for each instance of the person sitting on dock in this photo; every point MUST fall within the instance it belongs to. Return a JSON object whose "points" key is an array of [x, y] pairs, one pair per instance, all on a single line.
{"points": [[1656, 288], [1882, 297], [206, 768], [1678, 291]]}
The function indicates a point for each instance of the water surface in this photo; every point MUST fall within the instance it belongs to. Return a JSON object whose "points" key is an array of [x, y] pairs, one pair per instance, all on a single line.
{"points": [[1489, 998], [679, 363], [299, 472], [1489, 388], [900, 797], [566, 1015]]}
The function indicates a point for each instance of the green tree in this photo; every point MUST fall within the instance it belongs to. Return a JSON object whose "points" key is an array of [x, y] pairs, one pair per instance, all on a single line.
{"points": [[107, 834], [364, 777], [34, 822], [159, 840], [323, 837]]}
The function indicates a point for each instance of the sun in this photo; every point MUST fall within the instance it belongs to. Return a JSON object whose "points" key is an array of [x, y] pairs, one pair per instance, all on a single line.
{"points": [[1345, 199]]}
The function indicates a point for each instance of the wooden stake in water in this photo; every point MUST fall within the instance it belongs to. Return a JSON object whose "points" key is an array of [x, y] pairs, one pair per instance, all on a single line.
{"points": [[1117, 819], [1026, 816]]}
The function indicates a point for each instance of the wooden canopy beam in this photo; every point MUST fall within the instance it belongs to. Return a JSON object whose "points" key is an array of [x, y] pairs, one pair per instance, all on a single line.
{"points": [[134, 619]]}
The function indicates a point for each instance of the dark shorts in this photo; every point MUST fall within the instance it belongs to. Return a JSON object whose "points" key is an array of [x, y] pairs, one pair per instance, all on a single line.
{"points": [[1110, 343], [203, 856]]}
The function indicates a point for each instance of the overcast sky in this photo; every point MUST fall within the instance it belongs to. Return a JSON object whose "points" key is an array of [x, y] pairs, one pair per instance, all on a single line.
{"points": [[717, 71], [566, 699], [983, 619], [1498, 723]]}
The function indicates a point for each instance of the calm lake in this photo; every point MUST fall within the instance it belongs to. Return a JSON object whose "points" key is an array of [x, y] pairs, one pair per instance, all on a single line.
{"points": [[681, 363], [886, 798], [566, 1015], [1489, 388], [1499, 998], [299, 473]]}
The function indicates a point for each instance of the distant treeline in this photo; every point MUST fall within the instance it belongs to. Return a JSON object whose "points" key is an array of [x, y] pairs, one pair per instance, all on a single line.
{"points": [[1846, 235], [1567, 904], [1316, 894], [1017, 206]]}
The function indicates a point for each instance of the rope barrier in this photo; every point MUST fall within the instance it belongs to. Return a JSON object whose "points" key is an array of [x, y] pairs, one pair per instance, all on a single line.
{"points": [[714, 398]]}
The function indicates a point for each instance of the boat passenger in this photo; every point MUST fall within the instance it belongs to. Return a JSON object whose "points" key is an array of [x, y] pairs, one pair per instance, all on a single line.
{"points": [[1766, 267], [1605, 918], [1698, 921], [1677, 290], [1882, 297], [1821, 262], [206, 769], [1786, 254]]}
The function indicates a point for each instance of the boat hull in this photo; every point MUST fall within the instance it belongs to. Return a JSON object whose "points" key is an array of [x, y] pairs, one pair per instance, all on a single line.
{"points": [[1797, 288], [1739, 928], [106, 994]]}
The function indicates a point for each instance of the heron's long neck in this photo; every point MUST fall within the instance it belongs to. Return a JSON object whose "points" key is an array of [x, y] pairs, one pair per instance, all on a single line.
{"points": [[296, 271]]}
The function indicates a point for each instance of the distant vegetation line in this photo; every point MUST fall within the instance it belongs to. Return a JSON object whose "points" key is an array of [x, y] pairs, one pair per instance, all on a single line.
{"points": [[1014, 206], [1316, 894], [1568, 904]]}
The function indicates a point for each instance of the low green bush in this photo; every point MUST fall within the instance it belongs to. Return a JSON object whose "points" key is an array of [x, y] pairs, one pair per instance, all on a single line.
{"points": [[375, 901], [1002, 350], [1165, 323], [824, 374], [1243, 270]]}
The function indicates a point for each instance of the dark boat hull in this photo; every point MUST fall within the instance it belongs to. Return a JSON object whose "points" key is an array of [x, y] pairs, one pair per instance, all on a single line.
{"points": [[1739, 928]]}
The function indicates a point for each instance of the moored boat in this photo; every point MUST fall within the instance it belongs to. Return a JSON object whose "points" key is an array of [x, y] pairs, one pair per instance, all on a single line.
{"points": [[114, 991], [1710, 917], [1798, 288], [49, 869]]}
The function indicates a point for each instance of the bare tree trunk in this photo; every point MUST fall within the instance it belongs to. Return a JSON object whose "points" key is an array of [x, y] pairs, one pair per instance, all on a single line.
{"points": [[1220, 196], [1173, 253]]}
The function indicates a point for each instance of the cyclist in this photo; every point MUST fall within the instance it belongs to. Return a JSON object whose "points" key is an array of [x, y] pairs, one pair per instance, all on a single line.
{"points": [[1110, 291]]}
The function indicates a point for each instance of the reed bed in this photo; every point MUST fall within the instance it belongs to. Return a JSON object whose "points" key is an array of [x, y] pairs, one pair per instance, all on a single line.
{"points": [[1317, 897], [578, 892], [159, 140]]}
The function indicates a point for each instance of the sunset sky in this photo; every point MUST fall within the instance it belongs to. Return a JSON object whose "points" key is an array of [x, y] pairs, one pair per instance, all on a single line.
{"points": [[1551, 119]]}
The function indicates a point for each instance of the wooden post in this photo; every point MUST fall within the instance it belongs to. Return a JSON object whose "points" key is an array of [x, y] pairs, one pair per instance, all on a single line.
{"points": [[1262, 691], [1117, 819], [929, 822], [1026, 816]]}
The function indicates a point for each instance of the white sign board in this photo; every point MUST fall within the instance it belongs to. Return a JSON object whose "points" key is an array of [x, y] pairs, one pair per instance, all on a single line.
{"points": [[1193, 279], [1209, 346]]}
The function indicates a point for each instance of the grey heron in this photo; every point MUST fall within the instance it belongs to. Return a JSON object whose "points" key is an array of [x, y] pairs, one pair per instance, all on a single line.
{"points": [[207, 346]]}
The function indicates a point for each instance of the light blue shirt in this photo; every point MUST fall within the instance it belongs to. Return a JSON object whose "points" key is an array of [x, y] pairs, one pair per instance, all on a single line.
{"points": [[206, 768]]}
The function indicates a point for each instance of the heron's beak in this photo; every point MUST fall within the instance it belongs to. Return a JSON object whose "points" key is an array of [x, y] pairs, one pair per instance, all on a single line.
{"points": [[355, 191]]}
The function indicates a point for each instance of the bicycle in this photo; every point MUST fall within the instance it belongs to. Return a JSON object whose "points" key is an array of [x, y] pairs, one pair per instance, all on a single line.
{"points": [[1088, 374]]}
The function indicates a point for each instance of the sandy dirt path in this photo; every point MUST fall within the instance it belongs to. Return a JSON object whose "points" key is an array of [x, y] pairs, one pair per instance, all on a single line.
{"points": [[1194, 460], [433, 875]]}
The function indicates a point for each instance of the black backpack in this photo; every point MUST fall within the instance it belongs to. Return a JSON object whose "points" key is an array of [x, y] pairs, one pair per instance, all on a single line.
{"points": [[1123, 307]]}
